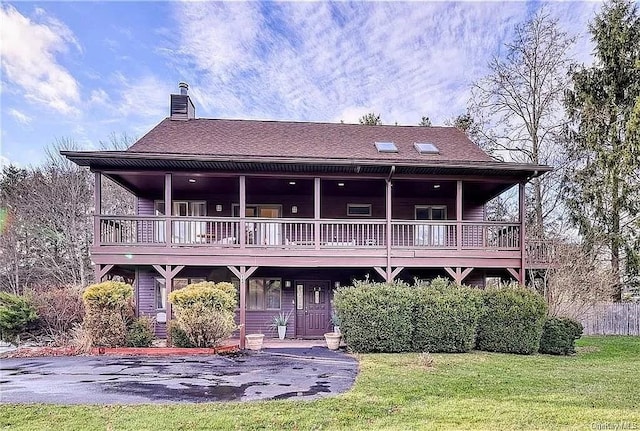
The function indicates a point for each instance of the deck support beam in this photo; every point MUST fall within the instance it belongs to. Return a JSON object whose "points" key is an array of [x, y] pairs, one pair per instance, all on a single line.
{"points": [[168, 272], [388, 276], [243, 273], [101, 271], [243, 210], [514, 273], [97, 208], [168, 206], [523, 249], [458, 274], [316, 213], [459, 214]]}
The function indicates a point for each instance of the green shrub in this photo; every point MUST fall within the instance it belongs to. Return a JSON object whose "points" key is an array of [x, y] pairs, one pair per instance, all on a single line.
{"points": [[559, 336], [511, 321], [108, 310], [17, 316], [176, 337], [375, 317], [205, 311], [445, 318], [140, 332]]}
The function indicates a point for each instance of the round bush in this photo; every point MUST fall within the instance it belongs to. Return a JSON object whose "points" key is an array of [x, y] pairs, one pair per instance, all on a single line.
{"points": [[141, 332], [445, 318], [17, 316], [205, 312], [375, 317], [108, 309], [559, 336], [511, 321]]}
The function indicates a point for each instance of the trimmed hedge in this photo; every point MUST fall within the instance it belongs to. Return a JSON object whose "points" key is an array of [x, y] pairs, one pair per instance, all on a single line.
{"points": [[376, 317], [559, 336], [445, 318], [511, 321], [205, 311], [108, 310]]}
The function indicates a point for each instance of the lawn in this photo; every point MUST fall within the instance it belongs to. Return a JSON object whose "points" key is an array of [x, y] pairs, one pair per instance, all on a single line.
{"points": [[599, 388]]}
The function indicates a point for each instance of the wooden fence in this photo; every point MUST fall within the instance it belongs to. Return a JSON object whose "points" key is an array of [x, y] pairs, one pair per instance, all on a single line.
{"points": [[612, 319]]}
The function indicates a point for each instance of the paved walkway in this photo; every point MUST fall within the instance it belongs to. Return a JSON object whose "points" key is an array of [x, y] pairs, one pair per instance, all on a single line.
{"points": [[281, 372]]}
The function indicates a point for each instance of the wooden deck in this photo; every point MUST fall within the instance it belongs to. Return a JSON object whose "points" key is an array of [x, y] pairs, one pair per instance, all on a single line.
{"points": [[310, 242]]}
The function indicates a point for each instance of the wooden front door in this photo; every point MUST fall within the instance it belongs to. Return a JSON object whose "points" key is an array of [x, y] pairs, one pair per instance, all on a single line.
{"points": [[312, 308]]}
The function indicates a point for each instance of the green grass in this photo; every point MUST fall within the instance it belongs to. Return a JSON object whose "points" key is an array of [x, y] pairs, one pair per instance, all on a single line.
{"points": [[598, 387]]}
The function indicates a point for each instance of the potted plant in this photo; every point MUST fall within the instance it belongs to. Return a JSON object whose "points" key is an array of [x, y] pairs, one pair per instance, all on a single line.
{"points": [[333, 340], [335, 320], [280, 322]]}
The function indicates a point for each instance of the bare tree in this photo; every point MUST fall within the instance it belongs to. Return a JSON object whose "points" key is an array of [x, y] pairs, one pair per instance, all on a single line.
{"points": [[520, 105]]}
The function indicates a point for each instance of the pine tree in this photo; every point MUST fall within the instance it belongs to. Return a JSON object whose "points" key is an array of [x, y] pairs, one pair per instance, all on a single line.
{"points": [[603, 187]]}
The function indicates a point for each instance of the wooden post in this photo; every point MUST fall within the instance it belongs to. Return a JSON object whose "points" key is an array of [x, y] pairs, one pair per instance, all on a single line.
{"points": [[97, 208], [243, 211], [316, 213], [243, 275], [388, 219], [523, 248], [168, 204], [459, 214]]}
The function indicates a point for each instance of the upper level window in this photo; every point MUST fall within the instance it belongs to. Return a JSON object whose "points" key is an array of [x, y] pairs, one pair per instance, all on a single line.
{"points": [[184, 208], [426, 148], [359, 210], [386, 147]]}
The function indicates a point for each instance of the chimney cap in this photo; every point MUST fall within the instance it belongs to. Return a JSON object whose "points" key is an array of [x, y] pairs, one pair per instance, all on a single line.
{"points": [[184, 87]]}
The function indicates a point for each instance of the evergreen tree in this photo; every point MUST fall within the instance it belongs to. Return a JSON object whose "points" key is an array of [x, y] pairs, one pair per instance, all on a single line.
{"points": [[371, 119], [425, 122], [603, 187]]}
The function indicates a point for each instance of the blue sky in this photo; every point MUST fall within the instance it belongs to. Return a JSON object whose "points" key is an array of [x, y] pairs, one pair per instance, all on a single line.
{"points": [[83, 71]]}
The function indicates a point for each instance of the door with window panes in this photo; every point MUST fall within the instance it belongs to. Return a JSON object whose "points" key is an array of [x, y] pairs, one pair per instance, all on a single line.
{"points": [[185, 231], [313, 306], [432, 234]]}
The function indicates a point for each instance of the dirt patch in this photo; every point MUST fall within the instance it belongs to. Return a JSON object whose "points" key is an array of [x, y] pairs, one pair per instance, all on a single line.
{"points": [[36, 352]]}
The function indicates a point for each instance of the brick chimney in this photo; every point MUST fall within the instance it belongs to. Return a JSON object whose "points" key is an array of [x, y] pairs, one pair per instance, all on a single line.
{"points": [[181, 105]]}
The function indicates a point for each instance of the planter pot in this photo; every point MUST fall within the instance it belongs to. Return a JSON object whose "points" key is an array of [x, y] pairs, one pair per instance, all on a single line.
{"points": [[333, 340], [282, 332], [254, 341]]}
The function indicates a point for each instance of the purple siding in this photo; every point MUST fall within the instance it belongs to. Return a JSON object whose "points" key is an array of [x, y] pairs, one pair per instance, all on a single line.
{"points": [[146, 296], [260, 321]]}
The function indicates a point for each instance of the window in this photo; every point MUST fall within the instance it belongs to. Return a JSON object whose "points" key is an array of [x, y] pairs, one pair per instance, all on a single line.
{"points": [[386, 147], [264, 294], [184, 208], [359, 210], [426, 148], [161, 289]]}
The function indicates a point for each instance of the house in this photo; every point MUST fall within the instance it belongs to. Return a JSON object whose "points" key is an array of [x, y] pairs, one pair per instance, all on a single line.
{"points": [[290, 210]]}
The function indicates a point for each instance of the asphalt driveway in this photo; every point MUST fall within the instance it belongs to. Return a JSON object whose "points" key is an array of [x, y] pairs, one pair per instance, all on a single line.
{"points": [[298, 373]]}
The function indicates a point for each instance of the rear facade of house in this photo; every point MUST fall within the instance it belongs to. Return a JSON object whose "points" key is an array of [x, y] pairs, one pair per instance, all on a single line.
{"points": [[288, 211]]}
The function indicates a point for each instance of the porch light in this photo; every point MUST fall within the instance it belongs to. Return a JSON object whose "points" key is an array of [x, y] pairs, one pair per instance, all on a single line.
{"points": [[292, 183], [218, 208], [336, 284], [340, 184], [436, 186], [192, 180], [294, 209]]}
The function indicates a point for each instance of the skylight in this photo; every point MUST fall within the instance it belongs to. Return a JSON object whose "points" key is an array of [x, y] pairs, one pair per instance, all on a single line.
{"points": [[426, 148], [386, 147]]}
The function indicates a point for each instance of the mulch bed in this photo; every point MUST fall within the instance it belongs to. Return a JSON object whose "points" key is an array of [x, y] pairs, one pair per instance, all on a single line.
{"points": [[31, 352]]}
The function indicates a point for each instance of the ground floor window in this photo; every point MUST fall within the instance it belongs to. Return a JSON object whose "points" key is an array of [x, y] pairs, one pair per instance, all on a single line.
{"points": [[264, 294], [161, 289]]}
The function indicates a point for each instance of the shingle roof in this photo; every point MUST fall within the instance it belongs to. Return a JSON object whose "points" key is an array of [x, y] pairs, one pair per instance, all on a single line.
{"points": [[305, 140]]}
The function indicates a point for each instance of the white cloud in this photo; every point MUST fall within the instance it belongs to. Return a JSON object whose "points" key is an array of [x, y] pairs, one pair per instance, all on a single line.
{"points": [[145, 96], [20, 117], [330, 61], [29, 49]]}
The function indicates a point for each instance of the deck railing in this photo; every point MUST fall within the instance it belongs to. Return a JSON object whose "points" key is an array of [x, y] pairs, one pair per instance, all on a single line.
{"points": [[308, 233]]}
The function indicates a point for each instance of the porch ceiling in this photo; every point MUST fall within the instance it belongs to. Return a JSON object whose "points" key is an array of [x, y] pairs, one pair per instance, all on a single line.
{"points": [[120, 160]]}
